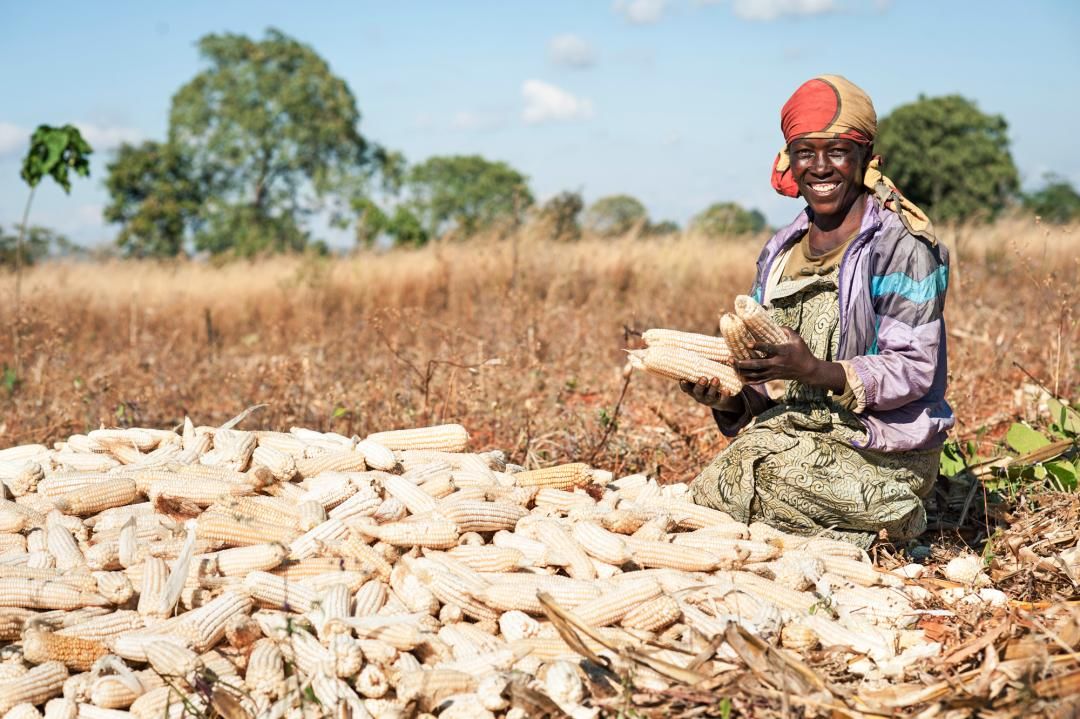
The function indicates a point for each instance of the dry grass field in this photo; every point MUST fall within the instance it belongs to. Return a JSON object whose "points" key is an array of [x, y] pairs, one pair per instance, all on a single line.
{"points": [[520, 340]]}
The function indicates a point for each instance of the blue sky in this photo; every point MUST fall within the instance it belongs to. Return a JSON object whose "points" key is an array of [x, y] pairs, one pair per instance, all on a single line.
{"points": [[674, 101]]}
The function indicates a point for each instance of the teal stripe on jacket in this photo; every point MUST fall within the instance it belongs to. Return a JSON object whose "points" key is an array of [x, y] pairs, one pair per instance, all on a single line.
{"points": [[917, 291]]}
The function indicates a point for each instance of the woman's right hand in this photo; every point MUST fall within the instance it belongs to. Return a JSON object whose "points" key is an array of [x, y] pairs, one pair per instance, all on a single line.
{"points": [[709, 393]]}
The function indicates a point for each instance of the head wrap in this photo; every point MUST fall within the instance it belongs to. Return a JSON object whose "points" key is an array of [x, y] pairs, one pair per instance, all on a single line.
{"points": [[832, 107]]}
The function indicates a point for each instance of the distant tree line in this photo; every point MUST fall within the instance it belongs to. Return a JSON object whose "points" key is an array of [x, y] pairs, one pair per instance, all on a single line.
{"points": [[266, 137]]}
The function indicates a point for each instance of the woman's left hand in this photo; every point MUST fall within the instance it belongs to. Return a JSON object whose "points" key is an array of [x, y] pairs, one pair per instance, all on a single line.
{"points": [[791, 360]]}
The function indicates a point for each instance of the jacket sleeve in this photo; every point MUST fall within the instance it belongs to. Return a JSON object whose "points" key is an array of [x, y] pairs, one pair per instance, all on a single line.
{"points": [[907, 290]]}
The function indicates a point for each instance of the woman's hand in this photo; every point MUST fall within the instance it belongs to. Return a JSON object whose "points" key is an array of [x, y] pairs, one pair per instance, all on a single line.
{"points": [[709, 393], [791, 360]]}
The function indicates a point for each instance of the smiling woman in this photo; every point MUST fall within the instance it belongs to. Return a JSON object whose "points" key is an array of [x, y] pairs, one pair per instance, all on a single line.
{"points": [[840, 427]]}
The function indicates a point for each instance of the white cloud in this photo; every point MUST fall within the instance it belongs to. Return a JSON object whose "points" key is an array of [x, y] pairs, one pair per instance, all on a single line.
{"points": [[546, 103], [105, 137], [13, 139], [477, 121], [571, 50], [772, 9], [641, 12]]}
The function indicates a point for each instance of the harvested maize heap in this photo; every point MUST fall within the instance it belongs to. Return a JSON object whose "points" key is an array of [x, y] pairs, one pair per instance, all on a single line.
{"points": [[149, 573]]}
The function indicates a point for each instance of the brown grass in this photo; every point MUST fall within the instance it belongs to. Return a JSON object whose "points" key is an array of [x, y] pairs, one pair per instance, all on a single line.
{"points": [[527, 353]]}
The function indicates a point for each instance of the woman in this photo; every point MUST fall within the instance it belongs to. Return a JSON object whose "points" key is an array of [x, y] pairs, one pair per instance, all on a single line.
{"points": [[842, 425]]}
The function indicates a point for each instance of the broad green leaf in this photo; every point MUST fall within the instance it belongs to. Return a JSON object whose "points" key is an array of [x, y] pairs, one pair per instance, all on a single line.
{"points": [[1066, 417], [1040, 472], [1064, 471], [1023, 439]]}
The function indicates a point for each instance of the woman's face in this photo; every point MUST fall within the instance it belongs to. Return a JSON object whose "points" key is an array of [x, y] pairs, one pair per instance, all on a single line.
{"points": [[829, 173]]}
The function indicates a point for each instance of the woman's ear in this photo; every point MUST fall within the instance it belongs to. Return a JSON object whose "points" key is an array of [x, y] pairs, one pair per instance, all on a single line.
{"points": [[868, 155]]}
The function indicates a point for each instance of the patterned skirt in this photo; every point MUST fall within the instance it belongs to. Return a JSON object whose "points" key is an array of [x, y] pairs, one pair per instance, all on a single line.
{"points": [[798, 471]]}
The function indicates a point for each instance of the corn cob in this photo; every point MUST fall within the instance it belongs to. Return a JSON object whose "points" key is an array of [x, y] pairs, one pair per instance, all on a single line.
{"points": [[708, 346], [233, 531], [205, 626], [114, 586], [97, 497], [278, 592], [600, 543], [738, 337], [335, 692], [38, 594], [24, 453], [37, 686], [565, 476], [769, 591], [280, 464], [329, 489], [266, 669], [684, 365], [377, 456], [479, 516], [105, 627], [369, 598], [240, 561], [23, 479], [428, 687], [558, 540], [520, 593], [654, 615], [446, 437], [391, 510], [25, 710], [488, 558], [308, 543], [436, 534], [16, 518], [118, 692], [364, 503], [140, 439], [415, 500], [562, 501], [79, 462], [354, 547], [729, 550], [40, 647], [757, 321], [611, 607], [61, 483], [166, 703], [336, 461], [202, 492], [63, 547]]}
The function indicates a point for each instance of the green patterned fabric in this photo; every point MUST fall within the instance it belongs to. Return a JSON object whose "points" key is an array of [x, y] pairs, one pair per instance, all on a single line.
{"points": [[796, 467]]}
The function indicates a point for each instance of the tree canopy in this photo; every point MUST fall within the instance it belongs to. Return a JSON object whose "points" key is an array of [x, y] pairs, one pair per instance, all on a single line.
{"points": [[1057, 201], [949, 157], [266, 122], [723, 219], [466, 193], [560, 216], [155, 197], [615, 215]]}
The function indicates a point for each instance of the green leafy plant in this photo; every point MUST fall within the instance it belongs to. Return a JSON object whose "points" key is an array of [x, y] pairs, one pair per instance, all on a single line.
{"points": [[54, 152]]}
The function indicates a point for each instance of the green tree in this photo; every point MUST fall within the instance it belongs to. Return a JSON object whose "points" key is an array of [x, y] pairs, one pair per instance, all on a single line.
{"points": [[466, 193], [271, 131], [155, 197], [949, 157], [560, 215], [615, 215], [664, 227], [723, 219], [38, 243], [1057, 201], [405, 228]]}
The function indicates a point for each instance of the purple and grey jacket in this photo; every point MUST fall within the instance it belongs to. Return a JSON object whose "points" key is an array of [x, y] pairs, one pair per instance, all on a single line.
{"points": [[892, 293]]}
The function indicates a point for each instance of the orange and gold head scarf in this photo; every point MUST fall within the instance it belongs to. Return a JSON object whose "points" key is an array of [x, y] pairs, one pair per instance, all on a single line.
{"points": [[832, 107]]}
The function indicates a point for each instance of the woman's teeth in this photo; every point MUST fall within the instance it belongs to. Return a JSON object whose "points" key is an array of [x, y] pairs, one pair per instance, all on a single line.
{"points": [[823, 188]]}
